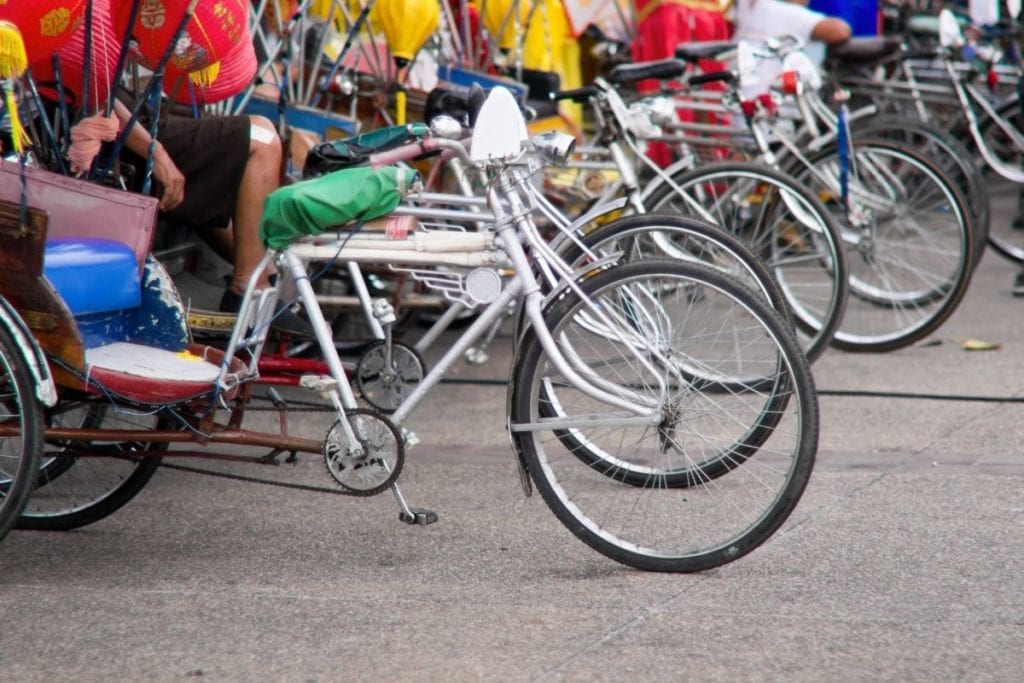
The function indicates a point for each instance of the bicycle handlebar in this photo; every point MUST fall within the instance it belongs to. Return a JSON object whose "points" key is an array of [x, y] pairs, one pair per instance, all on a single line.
{"points": [[578, 95], [711, 77]]}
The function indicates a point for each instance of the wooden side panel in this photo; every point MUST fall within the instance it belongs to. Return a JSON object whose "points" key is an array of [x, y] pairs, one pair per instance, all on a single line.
{"points": [[23, 285]]}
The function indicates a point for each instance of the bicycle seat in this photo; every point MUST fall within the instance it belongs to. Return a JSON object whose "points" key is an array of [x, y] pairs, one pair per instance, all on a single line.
{"points": [[93, 275], [661, 69], [710, 49], [864, 50], [154, 376]]}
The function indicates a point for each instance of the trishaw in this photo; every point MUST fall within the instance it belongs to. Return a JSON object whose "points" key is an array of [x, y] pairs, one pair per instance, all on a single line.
{"points": [[664, 412]]}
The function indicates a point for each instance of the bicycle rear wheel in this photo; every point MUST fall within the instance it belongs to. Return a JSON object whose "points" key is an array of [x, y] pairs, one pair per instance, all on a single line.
{"points": [[100, 477], [21, 417], [688, 491]]}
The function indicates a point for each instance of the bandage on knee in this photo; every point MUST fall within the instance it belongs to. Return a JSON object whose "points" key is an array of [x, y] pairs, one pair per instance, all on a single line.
{"points": [[260, 134]]}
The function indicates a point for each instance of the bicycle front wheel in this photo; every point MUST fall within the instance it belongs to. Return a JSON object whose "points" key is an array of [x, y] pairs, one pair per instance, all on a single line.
{"points": [[654, 236], [948, 153], [687, 487], [909, 239]]}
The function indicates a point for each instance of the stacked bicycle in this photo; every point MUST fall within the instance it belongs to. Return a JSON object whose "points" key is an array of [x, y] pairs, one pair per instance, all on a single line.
{"points": [[909, 235]]}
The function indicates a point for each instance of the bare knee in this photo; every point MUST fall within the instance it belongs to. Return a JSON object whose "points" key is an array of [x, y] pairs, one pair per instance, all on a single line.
{"points": [[831, 31], [264, 142]]}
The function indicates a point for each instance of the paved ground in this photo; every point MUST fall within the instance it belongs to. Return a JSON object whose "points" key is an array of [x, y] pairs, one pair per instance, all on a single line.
{"points": [[903, 560]]}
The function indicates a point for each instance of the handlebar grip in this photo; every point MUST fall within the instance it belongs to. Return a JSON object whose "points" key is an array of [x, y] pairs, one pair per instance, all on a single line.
{"points": [[712, 77], [578, 95]]}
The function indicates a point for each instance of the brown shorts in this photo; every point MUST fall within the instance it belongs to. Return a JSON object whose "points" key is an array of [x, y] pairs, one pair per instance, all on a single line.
{"points": [[211, 152]]}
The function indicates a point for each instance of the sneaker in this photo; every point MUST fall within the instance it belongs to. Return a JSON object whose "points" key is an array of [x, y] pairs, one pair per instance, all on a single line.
{"points": [[1018, 284], [285, 321]]}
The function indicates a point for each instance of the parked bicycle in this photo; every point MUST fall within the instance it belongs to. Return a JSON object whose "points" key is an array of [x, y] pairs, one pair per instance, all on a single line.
{"points": [[630, 381]]}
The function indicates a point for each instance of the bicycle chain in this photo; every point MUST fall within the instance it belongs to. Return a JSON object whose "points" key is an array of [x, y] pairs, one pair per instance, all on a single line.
{"points": [[254, 480]]}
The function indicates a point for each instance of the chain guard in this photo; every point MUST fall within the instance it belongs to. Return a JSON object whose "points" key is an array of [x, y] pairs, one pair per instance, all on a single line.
{"points": [[385, 387], [380, 457]]}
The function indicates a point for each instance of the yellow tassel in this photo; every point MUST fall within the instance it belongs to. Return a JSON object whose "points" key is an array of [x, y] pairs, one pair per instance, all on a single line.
{"points": [[13, 59], [18, 134], [205, 77]]}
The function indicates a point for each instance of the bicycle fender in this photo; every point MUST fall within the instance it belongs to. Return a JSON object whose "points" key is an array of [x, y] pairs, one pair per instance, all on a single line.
{"points": [[596, 212], [574, 228], [677, 167], [510, 395], [31, 353]]}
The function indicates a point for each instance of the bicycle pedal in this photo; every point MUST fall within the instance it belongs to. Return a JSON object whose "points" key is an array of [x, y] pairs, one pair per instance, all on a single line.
{"points": [[322, 384], [419, 516]]}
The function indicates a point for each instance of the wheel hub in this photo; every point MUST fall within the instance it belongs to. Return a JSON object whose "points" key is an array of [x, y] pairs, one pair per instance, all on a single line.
{"points": [[671, 415]]}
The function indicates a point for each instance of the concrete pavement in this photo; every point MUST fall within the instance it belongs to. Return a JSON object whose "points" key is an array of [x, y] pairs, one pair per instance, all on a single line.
{"points": [[903, 561]]}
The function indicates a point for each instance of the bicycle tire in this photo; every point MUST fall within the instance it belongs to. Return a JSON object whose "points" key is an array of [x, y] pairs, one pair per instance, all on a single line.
{"points": [[19, 452], [650, 535], [90, 488], [783, 223]]}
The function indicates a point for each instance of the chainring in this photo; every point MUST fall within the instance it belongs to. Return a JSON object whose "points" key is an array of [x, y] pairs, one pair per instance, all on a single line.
{"points": [[375, 466], [384, 386]]}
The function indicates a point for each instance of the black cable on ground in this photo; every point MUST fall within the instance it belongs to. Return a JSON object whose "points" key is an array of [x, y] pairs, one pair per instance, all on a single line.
{"points": [[854, 393], [928, 397]]}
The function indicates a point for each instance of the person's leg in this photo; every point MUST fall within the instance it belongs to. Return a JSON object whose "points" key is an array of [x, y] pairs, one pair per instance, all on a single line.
{"points": [[220, 240], [261, 177]]}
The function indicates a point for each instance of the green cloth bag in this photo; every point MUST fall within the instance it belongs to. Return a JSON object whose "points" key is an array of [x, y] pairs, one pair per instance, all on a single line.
{"points": [[310, 207]]}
